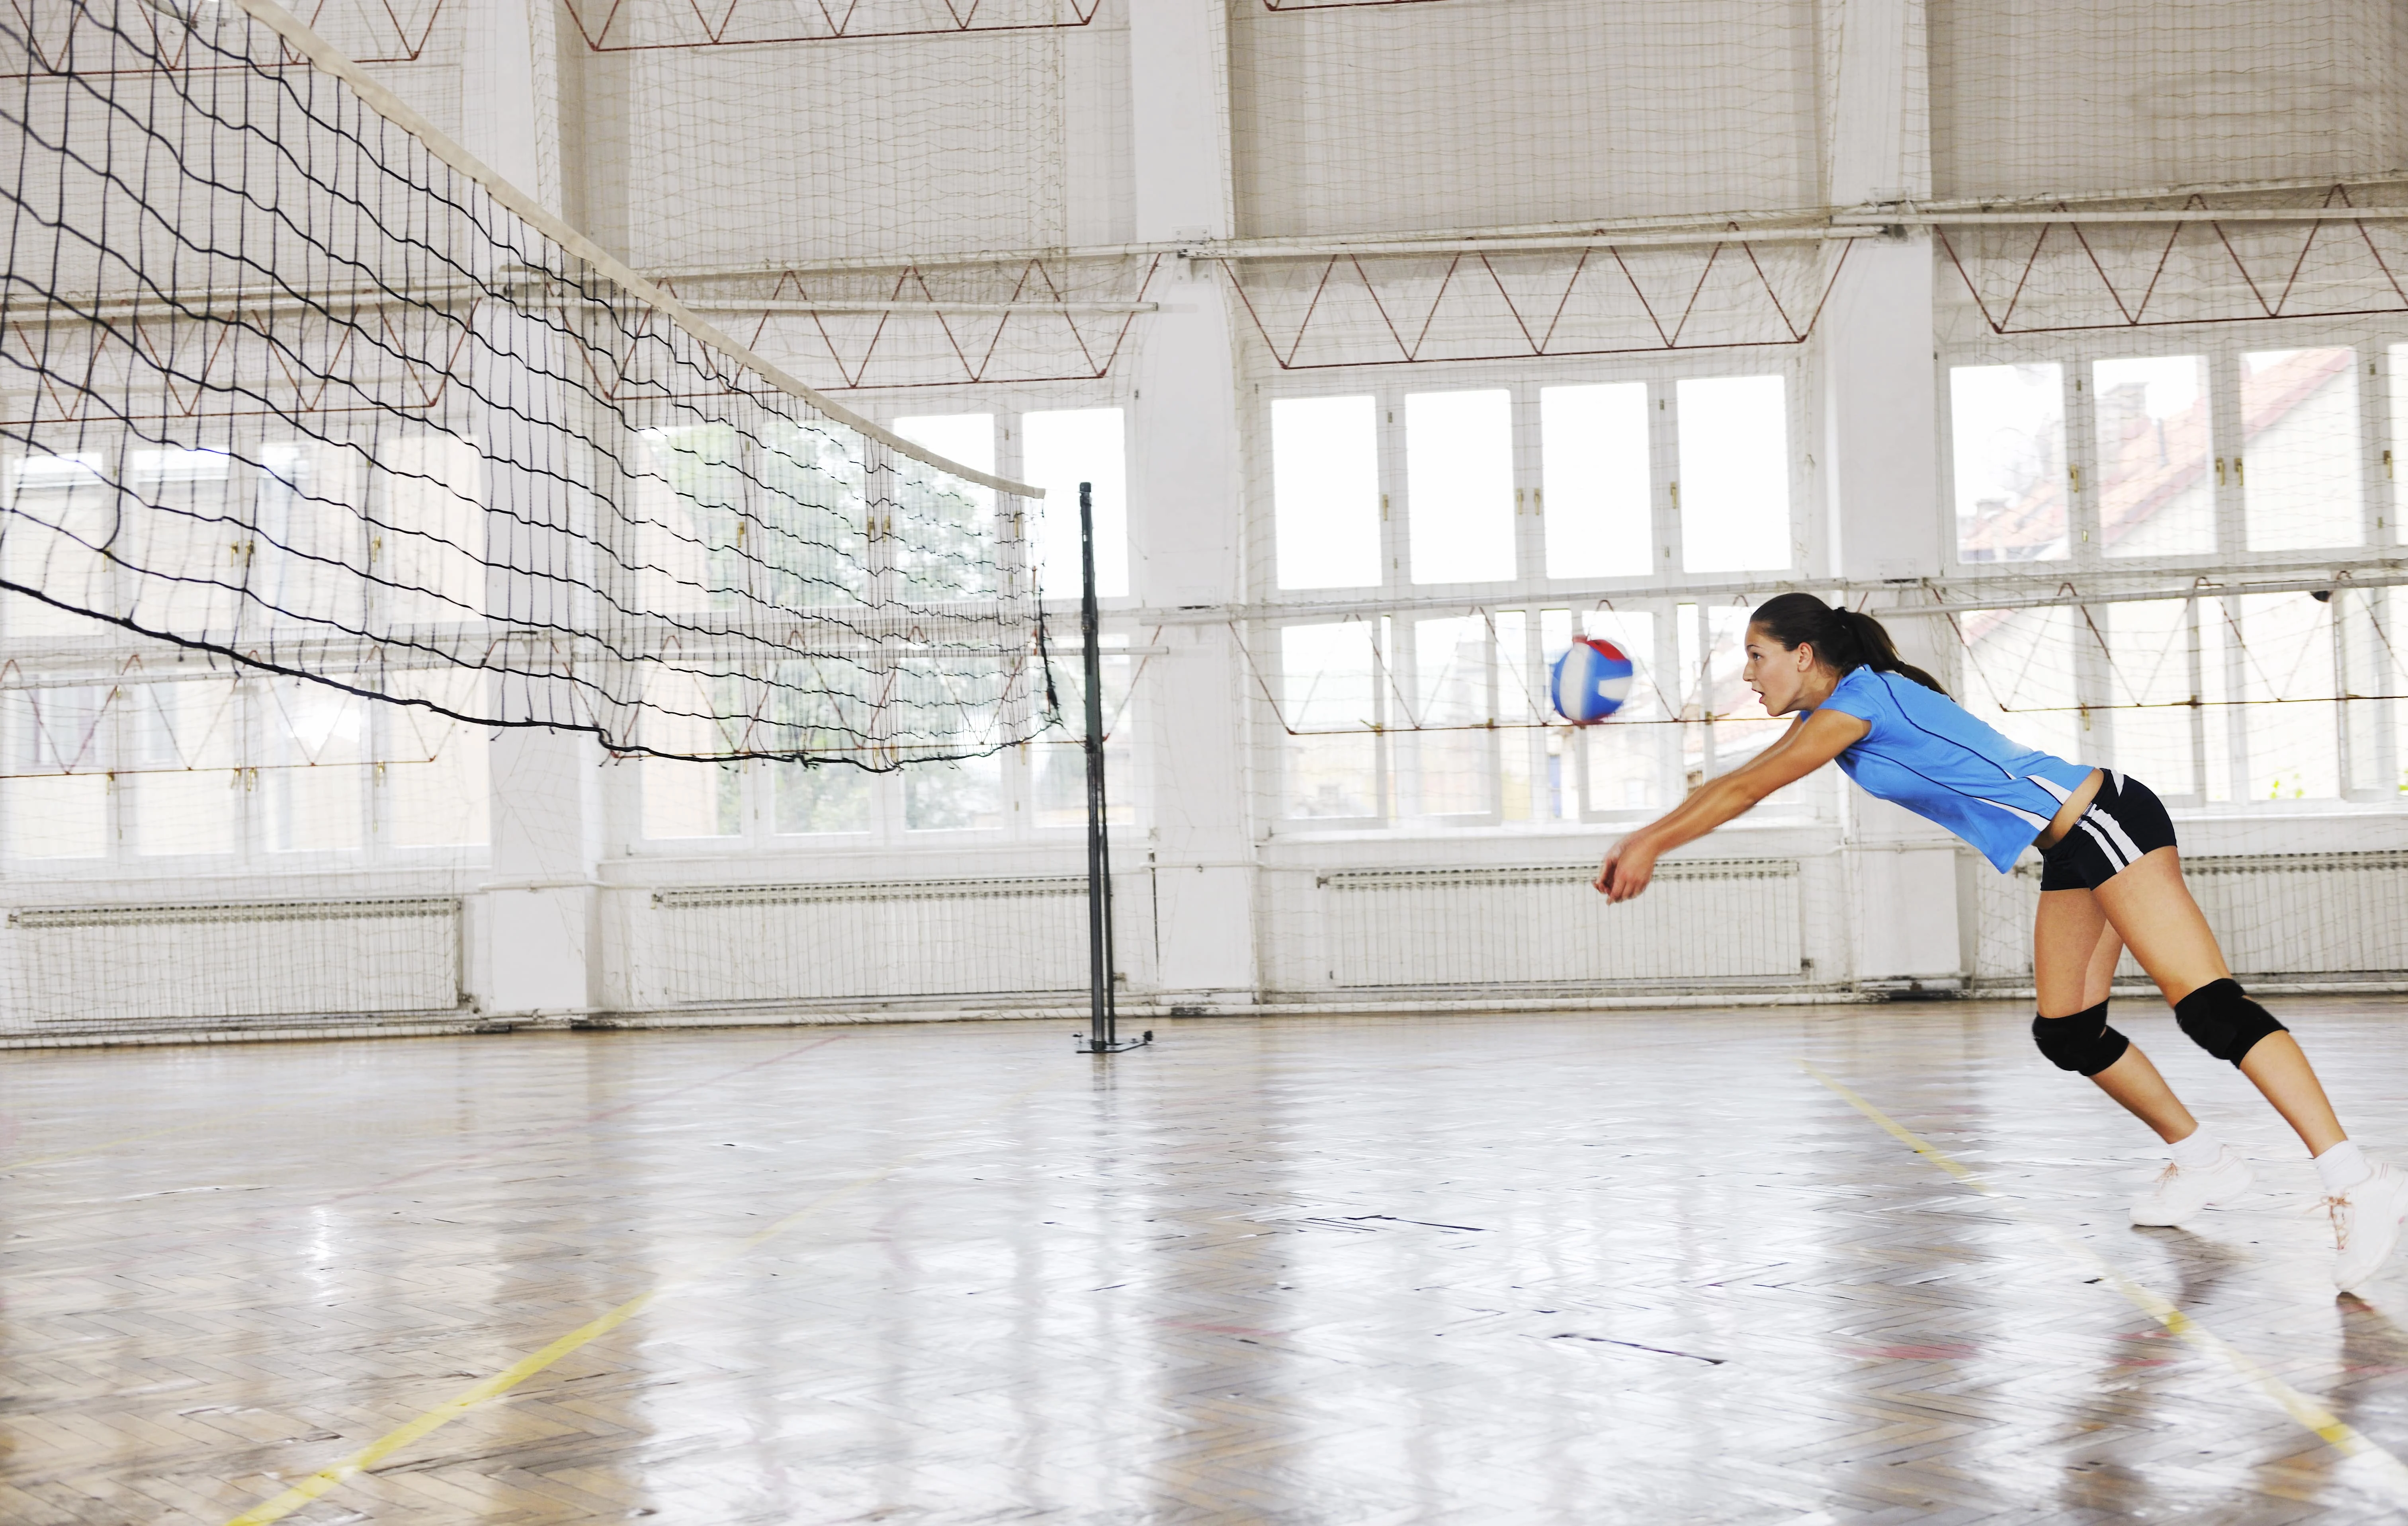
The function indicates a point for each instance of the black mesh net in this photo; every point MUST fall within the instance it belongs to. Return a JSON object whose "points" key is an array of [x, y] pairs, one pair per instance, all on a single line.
{"points": [[290, 384]]}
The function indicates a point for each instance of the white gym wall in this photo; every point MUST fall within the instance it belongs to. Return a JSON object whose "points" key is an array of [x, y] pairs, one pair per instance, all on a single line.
{"points": [[1153, 222]]}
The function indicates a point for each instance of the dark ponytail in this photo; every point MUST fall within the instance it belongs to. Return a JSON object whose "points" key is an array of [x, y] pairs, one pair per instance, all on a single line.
{"points": [[1844, 639]]}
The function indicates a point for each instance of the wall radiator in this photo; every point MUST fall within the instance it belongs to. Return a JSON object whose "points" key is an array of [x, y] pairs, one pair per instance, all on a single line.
{"points": [[877, 940], [1710, 920], [67, 969], [2335, 915]]}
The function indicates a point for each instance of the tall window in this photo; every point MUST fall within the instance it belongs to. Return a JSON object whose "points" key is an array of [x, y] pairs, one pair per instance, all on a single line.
{"points": [[2148, 679], [1413, 713], [966, 437], [2395, 460], [831, 798], [2008, 433], [1449, 766], [2298, 462], [1058, 451], [1628, 758], [2155, 453], [164, 774], [1596, 487], [1734, 482], [1460, 485], [1329, 684], [1326, 492]]}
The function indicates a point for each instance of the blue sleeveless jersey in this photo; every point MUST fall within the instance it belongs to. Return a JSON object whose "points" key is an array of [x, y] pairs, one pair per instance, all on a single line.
{"points": [[1926, 753]]}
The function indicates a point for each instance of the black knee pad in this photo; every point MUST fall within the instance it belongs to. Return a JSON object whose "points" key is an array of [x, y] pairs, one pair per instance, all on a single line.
{"points": [[2082, 1042], [2222, 1019]]}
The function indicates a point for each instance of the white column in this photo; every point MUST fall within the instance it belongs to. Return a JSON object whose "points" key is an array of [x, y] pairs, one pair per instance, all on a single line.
{"points": [[1185, 498], [534, 949], [1881, 412]]}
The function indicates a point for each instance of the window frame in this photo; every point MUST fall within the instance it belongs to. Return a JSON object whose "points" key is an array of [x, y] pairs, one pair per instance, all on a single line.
{"points": [[1388, 387], [1397, 601], [2220, 347], [2366, 733], [118, 764], [888, 829]]}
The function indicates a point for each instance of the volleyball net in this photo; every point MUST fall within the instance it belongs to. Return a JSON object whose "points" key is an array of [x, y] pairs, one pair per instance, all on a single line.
{"points": [[291, 382]]}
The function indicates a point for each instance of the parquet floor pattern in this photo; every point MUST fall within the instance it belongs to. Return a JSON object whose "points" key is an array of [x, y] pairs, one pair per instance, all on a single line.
{"points": [[1578, 1268]]}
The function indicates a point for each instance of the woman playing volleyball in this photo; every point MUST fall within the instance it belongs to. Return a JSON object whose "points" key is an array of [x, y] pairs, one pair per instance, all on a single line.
{"points": [[2110, 880]]}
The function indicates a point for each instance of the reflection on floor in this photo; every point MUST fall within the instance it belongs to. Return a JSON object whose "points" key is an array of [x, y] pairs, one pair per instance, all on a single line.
{"points": [[1576, 1268]]}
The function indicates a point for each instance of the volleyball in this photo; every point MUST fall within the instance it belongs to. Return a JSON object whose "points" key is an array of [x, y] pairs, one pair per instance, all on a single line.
{"points": [[1590, 681]]}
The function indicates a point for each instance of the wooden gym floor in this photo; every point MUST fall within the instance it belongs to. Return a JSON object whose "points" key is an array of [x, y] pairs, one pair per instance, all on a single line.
{"points": [[1576, 1268]]}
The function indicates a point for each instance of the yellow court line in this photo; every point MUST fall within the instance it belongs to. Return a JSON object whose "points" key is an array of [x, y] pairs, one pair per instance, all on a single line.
{"points": [[460, 1404], [2344, 1437]]}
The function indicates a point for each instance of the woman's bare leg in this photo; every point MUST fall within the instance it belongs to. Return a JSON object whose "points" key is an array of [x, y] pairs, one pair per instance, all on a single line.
{"points": [[2074, 950], [2151, 910]]}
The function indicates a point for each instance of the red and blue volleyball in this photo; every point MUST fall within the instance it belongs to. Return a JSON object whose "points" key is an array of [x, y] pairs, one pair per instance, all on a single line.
{"points": [[1590, 681]]}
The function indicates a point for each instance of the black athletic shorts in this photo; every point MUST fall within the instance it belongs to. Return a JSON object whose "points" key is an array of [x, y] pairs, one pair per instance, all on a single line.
{"points": [[2125, 820]]}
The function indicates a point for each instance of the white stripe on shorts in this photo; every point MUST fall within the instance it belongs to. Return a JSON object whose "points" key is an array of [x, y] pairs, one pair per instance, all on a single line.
{"points": [[2104, 845], [2115, 830]]}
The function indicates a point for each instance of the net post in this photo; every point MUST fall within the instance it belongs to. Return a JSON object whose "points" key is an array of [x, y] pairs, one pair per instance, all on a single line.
{"points": [[1103, 1017]]}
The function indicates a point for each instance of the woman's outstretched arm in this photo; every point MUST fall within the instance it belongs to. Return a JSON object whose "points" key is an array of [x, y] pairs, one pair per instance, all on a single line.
{"points": [[1805, 747]]}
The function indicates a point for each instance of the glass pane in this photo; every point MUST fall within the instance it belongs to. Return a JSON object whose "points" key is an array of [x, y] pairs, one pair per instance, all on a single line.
{"points": [[1560, 784], [834, 797], [1522, 745], [2286, 654], [1460, 485], [2018, 676], [1326, 492], [313, 539], [2372, 665], [953, 515], [1742, 727], [2397, 468], [1060, 761], [183, 747], [1447, 763], [1734, 475], [684, 799], [2298, 464], [1329, 702], [58, 815], [966, 437], [312, 788], [965, 796], [1595, 508], [2008, 434], [1626, 755], [2222, 723], [63, 507], [173, 516], [2148, 723], [52, 813], [2157, 476], [436, 780], [433, 485], [1057, 452]]}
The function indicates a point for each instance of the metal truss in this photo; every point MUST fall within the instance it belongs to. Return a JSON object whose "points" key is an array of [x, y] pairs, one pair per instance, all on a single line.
{"points": [[2071, 268], [616, 26], [1350, 310], [373, 31], [941, 323]]}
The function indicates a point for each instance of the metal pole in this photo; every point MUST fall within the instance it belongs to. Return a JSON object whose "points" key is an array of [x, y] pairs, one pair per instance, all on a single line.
{"points": [[1103, 1016]]}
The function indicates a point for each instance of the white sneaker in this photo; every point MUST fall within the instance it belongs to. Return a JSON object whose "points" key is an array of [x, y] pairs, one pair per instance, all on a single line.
{"points": [[2178, 1195], [2365, 1225]]}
